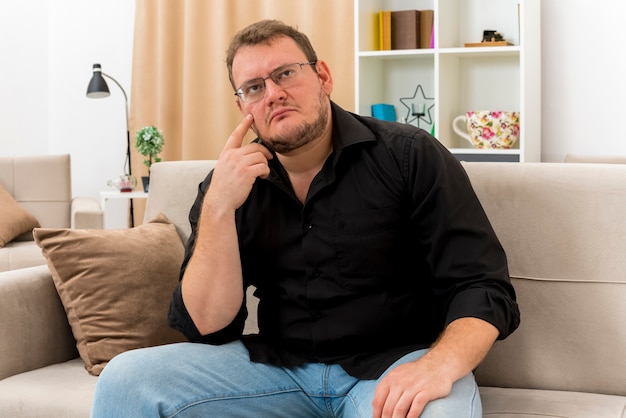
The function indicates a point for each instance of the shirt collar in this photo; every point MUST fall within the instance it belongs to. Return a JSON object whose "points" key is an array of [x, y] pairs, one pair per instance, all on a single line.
{"points": [[347, 130]]}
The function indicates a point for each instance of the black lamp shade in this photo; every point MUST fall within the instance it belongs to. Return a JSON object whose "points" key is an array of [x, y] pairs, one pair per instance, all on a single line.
{"points": [[97, 85]]}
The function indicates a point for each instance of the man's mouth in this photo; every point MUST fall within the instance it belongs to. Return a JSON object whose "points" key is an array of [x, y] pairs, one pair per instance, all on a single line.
{"points": [[279, 114]]}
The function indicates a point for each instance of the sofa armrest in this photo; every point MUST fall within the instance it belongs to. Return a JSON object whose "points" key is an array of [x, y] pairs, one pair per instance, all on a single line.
{"points": [[86, 213], [34, 331]]}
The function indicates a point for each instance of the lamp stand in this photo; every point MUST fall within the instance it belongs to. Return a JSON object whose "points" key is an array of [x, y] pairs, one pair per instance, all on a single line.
{"points": [[131, 209]]}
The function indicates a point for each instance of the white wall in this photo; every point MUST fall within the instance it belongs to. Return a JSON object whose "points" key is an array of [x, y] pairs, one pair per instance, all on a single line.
{"points": [[93, 131], [24, 77], [583, 78], [47, 50]]}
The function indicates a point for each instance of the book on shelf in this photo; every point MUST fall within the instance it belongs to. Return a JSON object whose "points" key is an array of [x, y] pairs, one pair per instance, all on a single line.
{"points": [[427, 18], [405, 29], [384, 111], [432, 37], [384, 30]]}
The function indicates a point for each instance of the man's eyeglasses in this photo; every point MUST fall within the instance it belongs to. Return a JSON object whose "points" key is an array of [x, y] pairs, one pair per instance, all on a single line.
{"points": [[285, 76]]}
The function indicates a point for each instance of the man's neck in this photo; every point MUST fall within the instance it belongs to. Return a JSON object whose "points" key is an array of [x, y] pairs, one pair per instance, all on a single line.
{"points": [[303, 164], [310, 157]]}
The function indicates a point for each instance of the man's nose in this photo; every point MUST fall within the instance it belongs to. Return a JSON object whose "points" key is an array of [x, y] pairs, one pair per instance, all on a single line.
{"points": [[273, 91]]}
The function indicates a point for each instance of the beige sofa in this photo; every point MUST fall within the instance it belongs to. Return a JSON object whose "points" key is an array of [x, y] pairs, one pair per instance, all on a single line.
{"points": [[42, 185], [595, 159], [562, 226]]}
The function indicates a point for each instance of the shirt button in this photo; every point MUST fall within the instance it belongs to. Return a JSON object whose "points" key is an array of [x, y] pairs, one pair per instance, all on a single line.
{"points": [[308, 227], [316, 314], [341, 225]]}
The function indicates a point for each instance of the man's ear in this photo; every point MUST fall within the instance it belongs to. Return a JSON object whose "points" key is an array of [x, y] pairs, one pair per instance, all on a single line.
{"points": [[325, 77]]}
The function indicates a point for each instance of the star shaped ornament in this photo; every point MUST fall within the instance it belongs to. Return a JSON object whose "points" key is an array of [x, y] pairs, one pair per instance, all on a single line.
{"points": [[418, 107]]}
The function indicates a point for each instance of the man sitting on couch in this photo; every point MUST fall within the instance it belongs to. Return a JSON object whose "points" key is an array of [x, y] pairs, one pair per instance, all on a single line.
{"points": [[381, 282]]}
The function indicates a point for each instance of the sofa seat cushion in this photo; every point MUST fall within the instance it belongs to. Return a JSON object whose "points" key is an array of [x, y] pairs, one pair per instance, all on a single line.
{"points": [[527, 403], [60, 390], [20, 254]]}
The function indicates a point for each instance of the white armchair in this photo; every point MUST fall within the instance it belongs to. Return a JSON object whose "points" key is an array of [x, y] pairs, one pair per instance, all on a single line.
{"points": [[42, 185]]}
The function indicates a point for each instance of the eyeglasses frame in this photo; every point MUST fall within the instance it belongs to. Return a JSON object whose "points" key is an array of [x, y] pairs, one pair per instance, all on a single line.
{"points": [[240, 94]]}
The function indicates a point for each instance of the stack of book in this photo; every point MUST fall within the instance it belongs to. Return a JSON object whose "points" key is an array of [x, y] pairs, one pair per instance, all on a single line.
{"points": [[405, 29]]}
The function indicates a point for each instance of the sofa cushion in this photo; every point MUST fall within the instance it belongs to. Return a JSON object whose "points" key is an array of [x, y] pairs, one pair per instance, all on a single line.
{"points": [[59, 390], [42, 184], [530, 403], [20, 254], [562, 227], [115, 285], [14, 220]]}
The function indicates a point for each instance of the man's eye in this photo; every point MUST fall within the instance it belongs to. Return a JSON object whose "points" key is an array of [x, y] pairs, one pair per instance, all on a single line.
{"points": [[252, 88], [285, 73]]}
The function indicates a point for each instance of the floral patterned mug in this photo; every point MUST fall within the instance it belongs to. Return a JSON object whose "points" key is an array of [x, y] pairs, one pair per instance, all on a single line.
{"points": [[489, 129]]}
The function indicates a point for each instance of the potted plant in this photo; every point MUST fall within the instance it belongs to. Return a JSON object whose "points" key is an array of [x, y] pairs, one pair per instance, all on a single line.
{"points": [[149, 143]]}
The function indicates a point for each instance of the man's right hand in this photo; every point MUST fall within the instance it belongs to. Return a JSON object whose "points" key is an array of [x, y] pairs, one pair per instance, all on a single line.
{"points": [[237, 169], [212, 285]]}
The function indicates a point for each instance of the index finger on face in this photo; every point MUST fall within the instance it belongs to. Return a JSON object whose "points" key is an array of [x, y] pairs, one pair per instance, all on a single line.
{"points": [[235, 140]]}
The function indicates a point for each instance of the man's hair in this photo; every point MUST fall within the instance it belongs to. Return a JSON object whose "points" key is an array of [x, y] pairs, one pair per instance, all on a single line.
{"points": [[265, 32]]}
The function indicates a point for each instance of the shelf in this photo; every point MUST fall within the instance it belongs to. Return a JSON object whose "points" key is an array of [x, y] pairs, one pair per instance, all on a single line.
{"points": [[487, 51], [462, 51], [512, 151], [455, 79], [399, 53]]}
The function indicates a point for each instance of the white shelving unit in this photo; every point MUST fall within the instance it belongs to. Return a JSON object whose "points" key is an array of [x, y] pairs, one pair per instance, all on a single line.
{"points": [[455, 79]]}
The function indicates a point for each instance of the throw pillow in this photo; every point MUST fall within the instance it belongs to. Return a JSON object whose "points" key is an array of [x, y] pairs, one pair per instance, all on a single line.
{"points": [[14, 220], [115, 285]]}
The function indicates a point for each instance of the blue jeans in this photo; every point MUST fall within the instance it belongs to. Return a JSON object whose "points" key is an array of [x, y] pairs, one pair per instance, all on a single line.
{"points": [[199, 380]]}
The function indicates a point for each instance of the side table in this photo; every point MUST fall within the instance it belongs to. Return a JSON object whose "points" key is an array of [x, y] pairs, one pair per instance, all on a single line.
{"points": [[115, 194]]}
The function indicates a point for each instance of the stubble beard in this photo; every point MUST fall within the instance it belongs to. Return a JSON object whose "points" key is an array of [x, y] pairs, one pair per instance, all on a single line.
{"points": [[300, 135]]}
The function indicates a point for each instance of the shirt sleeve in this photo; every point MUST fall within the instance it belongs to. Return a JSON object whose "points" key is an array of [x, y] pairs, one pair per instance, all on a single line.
{"points": [[180, 319], [178, 316], [466, 259]]}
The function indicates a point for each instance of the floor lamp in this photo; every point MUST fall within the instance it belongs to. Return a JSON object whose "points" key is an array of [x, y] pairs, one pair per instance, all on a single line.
{"points": [[98, 88]]}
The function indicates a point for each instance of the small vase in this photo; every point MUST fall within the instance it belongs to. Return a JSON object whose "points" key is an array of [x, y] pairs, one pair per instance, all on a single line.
{"points": [[123, 183], [145, 180]]}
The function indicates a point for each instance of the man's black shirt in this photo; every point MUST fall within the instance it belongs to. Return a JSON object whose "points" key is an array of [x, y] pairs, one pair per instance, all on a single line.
{"points": [[390, 246]]}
